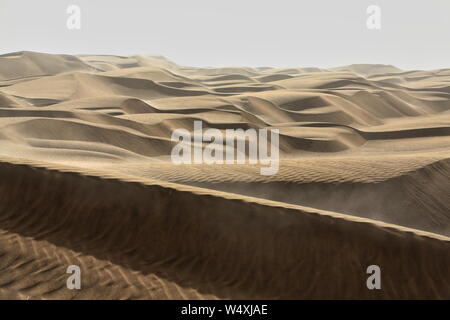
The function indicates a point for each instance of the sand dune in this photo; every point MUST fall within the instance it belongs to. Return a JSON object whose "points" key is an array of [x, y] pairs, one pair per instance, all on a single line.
{"points": [[87, 179]]}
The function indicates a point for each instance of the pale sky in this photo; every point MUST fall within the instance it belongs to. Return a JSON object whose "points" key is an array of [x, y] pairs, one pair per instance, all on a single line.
{"points": [[279, 33]]}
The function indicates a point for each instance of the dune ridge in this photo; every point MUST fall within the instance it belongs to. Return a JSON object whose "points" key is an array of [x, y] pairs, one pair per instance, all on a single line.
{"points": [[256, 238]]}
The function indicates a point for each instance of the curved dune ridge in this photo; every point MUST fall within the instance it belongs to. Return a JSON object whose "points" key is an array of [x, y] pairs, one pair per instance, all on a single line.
{"points": [[85, 143]]}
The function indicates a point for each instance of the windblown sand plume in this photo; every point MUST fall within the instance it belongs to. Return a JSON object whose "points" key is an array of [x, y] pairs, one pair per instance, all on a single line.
{"points": [[87, 179]]}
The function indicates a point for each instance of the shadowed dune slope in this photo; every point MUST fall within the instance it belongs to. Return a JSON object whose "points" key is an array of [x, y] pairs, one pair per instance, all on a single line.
{"points": [[244, 247]]}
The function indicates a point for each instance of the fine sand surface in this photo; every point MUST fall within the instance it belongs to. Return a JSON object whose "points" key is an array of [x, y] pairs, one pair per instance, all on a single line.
{"points": [[87, 180]]}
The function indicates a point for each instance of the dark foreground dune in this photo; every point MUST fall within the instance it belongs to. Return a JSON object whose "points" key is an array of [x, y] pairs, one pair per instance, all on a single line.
{"points": [[86, 179], [137, 240]]}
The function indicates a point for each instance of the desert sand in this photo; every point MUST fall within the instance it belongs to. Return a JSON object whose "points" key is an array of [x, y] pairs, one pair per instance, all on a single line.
{"points": [[87, 180]]}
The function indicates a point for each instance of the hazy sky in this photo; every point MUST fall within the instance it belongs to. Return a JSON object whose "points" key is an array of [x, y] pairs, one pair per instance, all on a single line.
{"points": [[278, 33]]}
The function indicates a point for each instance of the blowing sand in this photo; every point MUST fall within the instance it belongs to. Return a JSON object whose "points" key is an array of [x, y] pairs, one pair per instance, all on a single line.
{"points": [[87, 180]]}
